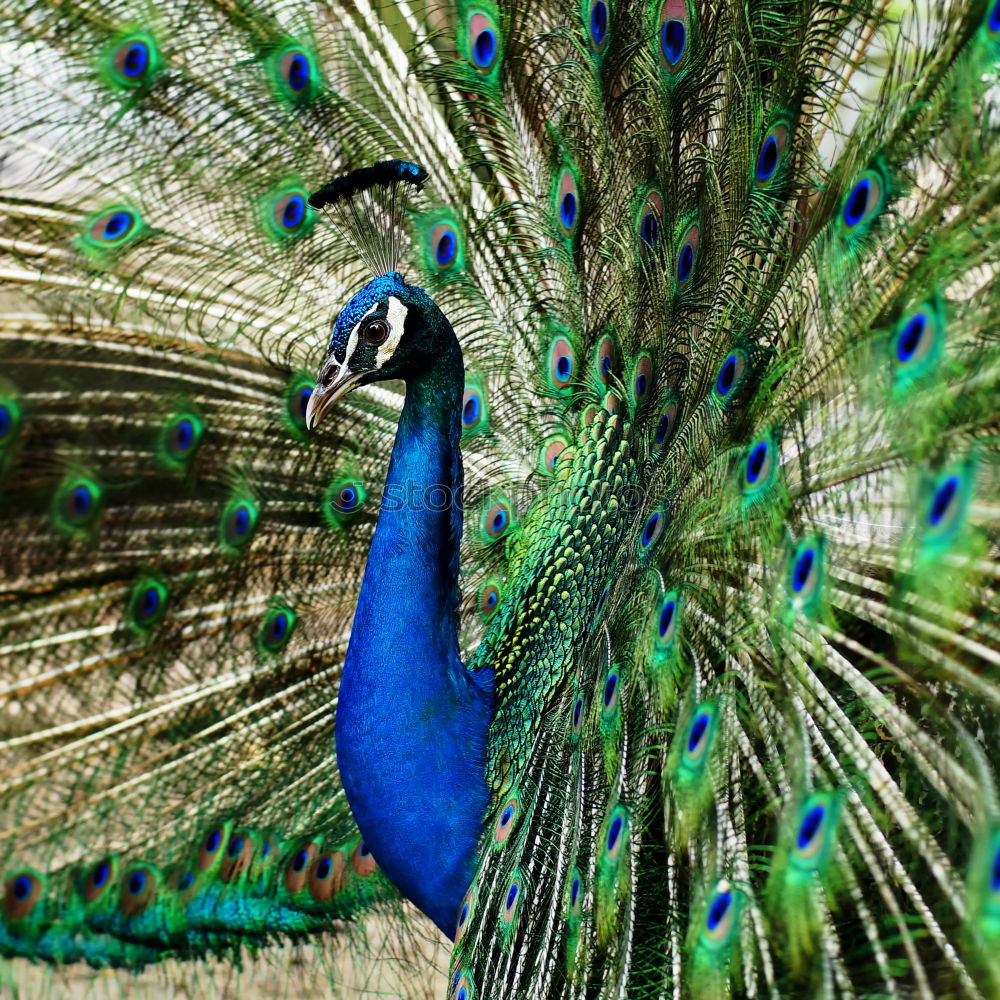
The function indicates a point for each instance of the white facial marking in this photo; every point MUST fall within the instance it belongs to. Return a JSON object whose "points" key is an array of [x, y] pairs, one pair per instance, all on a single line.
{"points": [[396, 317]]}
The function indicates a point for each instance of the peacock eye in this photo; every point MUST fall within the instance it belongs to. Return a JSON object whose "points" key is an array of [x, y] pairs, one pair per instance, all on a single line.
{"points": [[375, 332]]}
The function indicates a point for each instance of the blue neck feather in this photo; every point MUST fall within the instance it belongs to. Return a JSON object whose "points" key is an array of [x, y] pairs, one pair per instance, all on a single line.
{"points": [[412, 722]]}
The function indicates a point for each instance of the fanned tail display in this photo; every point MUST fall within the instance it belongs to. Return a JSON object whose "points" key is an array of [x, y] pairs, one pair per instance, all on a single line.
{"points": [[666, 661]]}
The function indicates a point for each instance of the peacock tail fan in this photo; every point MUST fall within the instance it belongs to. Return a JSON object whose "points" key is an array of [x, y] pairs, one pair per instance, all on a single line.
{"points": [[724, 280]]}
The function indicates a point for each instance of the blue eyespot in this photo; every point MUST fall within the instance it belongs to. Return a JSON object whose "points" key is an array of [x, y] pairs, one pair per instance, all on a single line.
{"points": [[614, 832], [698, 728], [995, 881], [685, 263], [756, 462], [279, 626], [610, 686], [77, 504], [136, 883], [803, 567], [863, 202], [212, 841], [185, 882], [300, 860], [23, 885], [323, 869], [149, 602], [575, 891], [241, 521], [650, 529], [347, 498], [667, 617], [305, 394], [496, 520], [484, 48], [266, 850], [136, 60], [564, 368], [727, 375], [854, 208], [298, 72], [447, 247], [994, 20], [99, 876], [116, 226], [767, 160], [363, 851], [910, 337], [489, 598], [81, 501], [649, 229], [718, 910], [567, 210], [810, 826], [6, 421], [944, 495], [512, 895], [470, 411], [673, 40], [464, 915], [235, 847], [183, 434], [599, 23], [577, 714], [294, 212], [640, 384]]}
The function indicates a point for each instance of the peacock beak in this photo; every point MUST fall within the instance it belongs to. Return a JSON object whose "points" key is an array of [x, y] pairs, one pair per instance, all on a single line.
{"points": [[333, 382]]}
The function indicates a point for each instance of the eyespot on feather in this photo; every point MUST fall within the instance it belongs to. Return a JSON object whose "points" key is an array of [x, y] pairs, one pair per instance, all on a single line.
{"points": [[76, 504], [237, 524], [731, 374], [863, 203], [642, 379], [326, 876], [297, 863], [276, 629], [466, 910], [99, 879], [506, 821], [484, 42], [771, 155], [596, 23], [131, 62], [295, 78], [687, 257], [22, 892], [496, 521], [179, 439], [362, 861], [649, 222], [673, 35], [147, 603], [138, 888], [475, 409], [566, 203], [605, 358]]}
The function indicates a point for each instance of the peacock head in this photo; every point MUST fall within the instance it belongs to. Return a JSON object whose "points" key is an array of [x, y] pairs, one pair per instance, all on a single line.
{"points": [[388, 330]]}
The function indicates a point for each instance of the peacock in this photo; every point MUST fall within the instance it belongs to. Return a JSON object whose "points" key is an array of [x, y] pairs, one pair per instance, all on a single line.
{"points": [[515, 476]]}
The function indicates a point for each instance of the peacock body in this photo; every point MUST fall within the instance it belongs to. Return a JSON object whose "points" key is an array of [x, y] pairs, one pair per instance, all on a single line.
{"points": [[665, 662]]}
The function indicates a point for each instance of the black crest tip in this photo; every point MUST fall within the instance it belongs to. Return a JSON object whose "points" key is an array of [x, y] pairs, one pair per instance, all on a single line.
{"points": [[383, 174]]}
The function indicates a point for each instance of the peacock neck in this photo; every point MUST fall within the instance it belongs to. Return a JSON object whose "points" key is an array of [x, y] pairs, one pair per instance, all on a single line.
{"points": [[412, 722]]}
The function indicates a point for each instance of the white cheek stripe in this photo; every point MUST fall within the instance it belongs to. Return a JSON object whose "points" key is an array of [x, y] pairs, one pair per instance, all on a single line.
{"points": [[352, 340], [397, 323]]}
